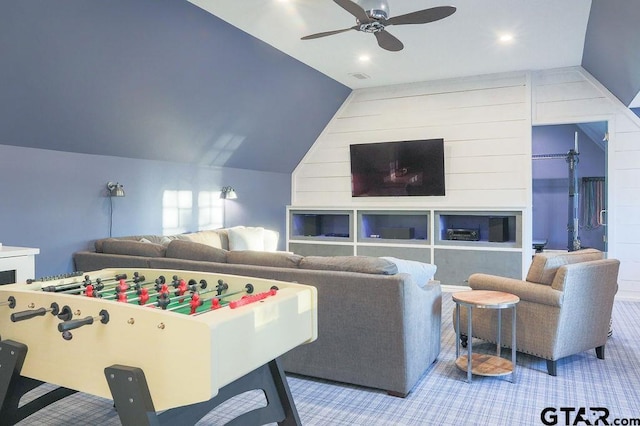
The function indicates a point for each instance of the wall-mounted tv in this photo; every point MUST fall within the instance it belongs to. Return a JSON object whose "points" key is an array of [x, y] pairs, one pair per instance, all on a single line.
{"points": [[392, 169]]}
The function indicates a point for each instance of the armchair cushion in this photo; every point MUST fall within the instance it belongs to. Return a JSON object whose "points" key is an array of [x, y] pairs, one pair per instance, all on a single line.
{"points": [[545, 265]]}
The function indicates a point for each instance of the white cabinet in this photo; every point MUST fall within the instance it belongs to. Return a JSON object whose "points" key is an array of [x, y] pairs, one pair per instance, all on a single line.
{"points": [[17, 264]]}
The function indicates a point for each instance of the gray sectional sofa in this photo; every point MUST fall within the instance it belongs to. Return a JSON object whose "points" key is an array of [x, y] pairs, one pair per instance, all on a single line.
{"points": [[378, 326]]}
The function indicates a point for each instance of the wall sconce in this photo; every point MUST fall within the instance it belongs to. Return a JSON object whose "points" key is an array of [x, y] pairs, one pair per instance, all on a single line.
{"points": [[115, 189], [228, 193]]}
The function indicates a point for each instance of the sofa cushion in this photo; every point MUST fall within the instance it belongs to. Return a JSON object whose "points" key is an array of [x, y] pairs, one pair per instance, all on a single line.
{"points": [[421, 272], [363, 264], [189, 250], [211, 238], [246, 238], [263, 258], [545, 265], [133, 248], [141, 238]]}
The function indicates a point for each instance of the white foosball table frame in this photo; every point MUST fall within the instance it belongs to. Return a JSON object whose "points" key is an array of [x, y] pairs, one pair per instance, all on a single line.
{"points": [[130, 359]]}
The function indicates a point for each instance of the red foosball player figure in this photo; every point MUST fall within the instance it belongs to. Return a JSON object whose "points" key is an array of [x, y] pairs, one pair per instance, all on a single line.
{"points": [[195, 302]]}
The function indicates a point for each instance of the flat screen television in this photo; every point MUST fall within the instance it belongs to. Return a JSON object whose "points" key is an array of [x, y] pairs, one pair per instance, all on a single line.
{"points": [[392, 169]]}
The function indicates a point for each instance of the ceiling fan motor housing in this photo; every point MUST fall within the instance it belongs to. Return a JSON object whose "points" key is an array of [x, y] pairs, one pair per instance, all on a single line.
{"points": [[376, 9]]}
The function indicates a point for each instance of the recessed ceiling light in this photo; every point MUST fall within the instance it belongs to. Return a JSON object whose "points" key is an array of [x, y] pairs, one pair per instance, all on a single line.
{"points": [[506, 38], [364, 58]]}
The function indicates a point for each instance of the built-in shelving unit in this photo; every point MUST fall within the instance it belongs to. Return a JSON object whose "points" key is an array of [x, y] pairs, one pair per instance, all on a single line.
{"points": [[458, 242]]}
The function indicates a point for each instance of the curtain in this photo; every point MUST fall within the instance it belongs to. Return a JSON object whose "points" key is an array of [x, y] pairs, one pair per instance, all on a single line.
{"points": [[592, 201]]}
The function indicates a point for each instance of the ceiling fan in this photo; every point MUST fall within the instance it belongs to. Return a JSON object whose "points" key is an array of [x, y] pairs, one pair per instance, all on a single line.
{"points": [[372, 16]]}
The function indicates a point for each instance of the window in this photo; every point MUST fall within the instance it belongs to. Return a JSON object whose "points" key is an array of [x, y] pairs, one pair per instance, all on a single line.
{"points": [[177, 211], [210, 213]]}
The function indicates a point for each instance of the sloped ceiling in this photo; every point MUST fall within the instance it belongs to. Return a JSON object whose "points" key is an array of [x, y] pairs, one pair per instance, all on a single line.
{"points": [[611, 50], [155, 79], [167, 80], [545, 34]]}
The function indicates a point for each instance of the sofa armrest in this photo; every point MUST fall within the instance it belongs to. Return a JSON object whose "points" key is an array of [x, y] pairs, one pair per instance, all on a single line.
{"points": [[525, 290]]}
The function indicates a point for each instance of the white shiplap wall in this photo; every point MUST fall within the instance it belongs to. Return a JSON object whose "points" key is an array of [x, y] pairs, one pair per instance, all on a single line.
{"points": [[572, 95], [486, 124]]}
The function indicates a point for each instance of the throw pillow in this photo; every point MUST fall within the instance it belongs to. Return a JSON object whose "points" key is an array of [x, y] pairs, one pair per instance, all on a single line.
{"points": [[271, 240], [210, 238], [246, 238]]}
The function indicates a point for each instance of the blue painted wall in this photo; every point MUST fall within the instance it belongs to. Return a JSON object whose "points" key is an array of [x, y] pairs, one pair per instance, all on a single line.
{"points": [[57, 201], [155, 94], [551, 184]]}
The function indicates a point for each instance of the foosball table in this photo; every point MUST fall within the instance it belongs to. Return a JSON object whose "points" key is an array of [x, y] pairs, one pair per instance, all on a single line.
{"points": [[167, 346]]}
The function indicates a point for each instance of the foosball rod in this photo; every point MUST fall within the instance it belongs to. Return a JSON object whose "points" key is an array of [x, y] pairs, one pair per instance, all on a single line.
{"points": [[248, 290], [244, 300], [11, 301], [90, 290], [139, 282], [137, 287], [110, 284], [192, 287], [144, 295], [76, 284], [194, 303]]}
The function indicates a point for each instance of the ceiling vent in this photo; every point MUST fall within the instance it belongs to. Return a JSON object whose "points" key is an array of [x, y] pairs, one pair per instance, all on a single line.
{"points": [[359, 75]]}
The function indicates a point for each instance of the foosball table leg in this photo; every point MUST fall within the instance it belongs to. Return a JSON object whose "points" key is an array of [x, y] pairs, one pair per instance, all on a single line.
{"points": [[13, 386], [135, 406]]}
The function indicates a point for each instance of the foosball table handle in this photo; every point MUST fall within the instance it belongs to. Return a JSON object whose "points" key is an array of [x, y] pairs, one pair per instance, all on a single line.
{"points": [[25, 315], [103, 316]]}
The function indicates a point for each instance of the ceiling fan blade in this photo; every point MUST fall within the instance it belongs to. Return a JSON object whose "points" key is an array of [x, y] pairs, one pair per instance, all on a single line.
{"points": [[422, 16], [354, 9], [388, 41], [328, 33]]}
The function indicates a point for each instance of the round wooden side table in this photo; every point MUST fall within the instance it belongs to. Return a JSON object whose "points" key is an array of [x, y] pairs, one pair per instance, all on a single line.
{"points": [[482, 364]]}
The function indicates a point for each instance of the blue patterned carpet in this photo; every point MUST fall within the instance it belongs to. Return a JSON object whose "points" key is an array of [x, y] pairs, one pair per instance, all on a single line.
{"points": [[442, 397]]}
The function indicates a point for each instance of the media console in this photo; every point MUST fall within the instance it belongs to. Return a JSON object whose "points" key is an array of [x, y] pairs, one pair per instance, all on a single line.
{"points": [[458, 242]]}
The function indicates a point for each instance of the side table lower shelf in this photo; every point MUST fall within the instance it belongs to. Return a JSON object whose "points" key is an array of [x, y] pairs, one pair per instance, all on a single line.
{"points": [[486, 365]]}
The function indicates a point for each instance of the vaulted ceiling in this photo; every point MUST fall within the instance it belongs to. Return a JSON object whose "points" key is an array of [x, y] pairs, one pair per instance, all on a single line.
{"points": [[602, 35], [230, 83]]}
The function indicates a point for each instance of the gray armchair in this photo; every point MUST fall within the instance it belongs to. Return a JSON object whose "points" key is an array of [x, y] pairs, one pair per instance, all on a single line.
{"points": [[565, 305]]}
